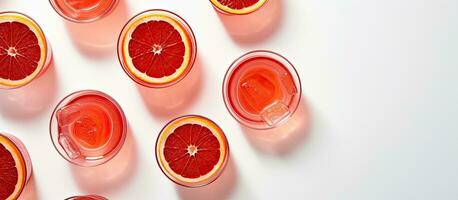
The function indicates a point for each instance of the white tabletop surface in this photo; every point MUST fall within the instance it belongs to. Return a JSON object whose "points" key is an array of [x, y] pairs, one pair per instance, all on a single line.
{"points": [[379, 120]]}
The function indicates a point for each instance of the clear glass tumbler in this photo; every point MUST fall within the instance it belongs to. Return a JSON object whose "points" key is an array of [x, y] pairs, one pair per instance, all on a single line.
{"points": [[88, 128], [261, 89]]}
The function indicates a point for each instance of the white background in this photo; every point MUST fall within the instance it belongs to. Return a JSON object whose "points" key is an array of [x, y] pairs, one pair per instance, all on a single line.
{"points": [[379, 119]]}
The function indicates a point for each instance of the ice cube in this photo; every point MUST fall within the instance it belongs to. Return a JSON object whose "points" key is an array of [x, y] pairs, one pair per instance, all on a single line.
{"points": [[86, 130], [275, 113], [257, 90], [288, 83], [70, 148], [68, 115]]}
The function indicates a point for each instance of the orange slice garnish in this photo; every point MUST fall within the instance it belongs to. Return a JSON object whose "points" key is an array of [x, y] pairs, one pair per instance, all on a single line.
{"points": [[12, 170], [156, 48], [238, 7], [192, 151], [23, 49]]}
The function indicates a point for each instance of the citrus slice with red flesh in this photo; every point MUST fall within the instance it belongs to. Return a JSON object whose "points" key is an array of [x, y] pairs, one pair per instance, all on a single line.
{"points": [[192, 151], [238, 7], [12, 169], [156, 48], [23, 49]]}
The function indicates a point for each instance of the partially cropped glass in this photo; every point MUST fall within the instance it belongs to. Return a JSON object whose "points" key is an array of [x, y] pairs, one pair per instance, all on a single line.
{"points": [[157, 48], [87, 197], [83, 10], [237, 7], [192, 151], [261, 89], [15, 174], [88, 128], [25, 53]]}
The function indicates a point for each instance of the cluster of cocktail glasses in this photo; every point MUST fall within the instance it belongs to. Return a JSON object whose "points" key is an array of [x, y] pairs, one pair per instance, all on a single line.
{"points": [[261, 90]]}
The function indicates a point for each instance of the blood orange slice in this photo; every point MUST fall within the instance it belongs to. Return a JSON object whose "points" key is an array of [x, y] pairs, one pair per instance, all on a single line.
{"points": [[156, 48], [238, 7], [12, 169], [23, 49], [192, 151]]}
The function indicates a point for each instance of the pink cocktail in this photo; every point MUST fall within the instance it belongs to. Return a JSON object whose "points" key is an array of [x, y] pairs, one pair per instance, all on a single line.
{"points": [[88, 128], [261, 89]]}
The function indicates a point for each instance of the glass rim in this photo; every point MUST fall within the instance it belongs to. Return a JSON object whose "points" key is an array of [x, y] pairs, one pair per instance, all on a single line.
{"points": [[92, 196], [235, 64], [47, 48], [237, 14], [8, 136], [220, 171], [192, 38], [112, 153], [106, 12]]}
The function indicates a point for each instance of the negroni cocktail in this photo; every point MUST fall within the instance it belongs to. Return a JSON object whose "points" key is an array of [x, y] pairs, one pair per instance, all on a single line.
{"points": [[261, 89], [88, 128]]}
